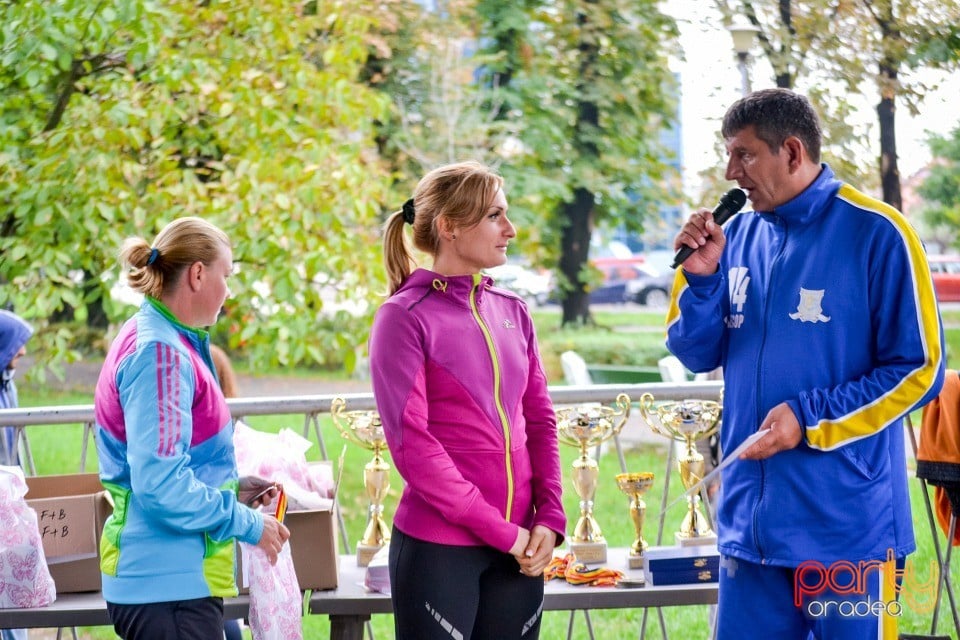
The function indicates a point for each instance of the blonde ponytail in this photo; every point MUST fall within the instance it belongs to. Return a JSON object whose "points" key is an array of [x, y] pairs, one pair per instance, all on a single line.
{"points": [[396, 255]]}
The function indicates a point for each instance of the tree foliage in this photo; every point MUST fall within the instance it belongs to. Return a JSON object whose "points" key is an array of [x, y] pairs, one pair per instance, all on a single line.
{"points": [[839, 48], [297, 125], [119, 116], [799, 42], [941, 188], [440, 113], [589, 84], [568, 99]]}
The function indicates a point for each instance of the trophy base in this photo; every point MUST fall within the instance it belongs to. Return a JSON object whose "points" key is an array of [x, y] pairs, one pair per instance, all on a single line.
{"points": [[695, 541], [365, 553], [635, 562], [589, 552]]}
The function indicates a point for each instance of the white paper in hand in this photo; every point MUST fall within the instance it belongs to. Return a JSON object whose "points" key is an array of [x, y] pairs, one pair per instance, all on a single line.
{"points": [[727, 461]]}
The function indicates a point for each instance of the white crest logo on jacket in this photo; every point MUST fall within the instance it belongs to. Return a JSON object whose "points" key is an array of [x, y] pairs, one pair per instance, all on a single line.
{"points": [[811, 306]]}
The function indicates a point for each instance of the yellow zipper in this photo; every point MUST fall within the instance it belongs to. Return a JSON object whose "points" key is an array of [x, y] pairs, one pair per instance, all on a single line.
{"points": [[504, 423]]}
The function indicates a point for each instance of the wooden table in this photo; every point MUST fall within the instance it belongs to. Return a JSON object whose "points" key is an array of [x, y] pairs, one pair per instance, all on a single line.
{"points": [[350, 605]]}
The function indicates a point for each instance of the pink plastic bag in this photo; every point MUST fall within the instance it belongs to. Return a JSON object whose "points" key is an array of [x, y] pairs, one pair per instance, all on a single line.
{"points": [[24, 578], [281, 457], [276, 604]]}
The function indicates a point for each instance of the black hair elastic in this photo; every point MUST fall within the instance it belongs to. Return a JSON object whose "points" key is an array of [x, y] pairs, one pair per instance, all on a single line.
{"points": [[409, 212]]}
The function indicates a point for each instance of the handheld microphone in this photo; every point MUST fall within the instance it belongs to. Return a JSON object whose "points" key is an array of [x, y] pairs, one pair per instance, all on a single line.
{"points": [[731, 202]]}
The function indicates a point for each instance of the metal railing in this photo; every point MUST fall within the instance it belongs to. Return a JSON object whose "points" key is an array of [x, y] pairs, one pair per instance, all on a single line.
{"points": [[311, 407]]}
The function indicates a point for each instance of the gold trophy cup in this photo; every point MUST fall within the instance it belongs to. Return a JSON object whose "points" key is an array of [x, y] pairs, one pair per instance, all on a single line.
{"points": [[686, 421], [634, 485], [364, 428], [586, 426]]}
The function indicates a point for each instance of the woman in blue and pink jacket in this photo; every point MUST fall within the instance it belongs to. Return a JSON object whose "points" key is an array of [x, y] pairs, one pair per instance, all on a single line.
{"points": [[165, 447], [463, 400]]}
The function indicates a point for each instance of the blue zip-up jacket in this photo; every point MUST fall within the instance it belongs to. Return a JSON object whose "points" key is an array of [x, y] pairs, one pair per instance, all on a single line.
{"points": [[463, 399], [14, 333], [165, 447], [827, 304]]}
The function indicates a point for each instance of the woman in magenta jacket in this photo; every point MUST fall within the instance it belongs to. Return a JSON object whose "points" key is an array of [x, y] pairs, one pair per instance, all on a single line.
{"points": [[463, 398]]}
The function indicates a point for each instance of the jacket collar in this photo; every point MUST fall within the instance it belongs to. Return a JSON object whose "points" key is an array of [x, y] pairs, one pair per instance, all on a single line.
{"points": [[454, 288], [812, 201], [152, 305]]}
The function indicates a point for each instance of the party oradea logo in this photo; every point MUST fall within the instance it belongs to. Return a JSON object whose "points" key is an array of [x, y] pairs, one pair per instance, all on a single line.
{"points": [[848, 589]]}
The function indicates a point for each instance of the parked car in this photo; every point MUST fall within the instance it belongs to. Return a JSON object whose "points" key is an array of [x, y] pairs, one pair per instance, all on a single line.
{"points": [[533, 286], [651, 287], [659, 259], [945, 271], [628, 280], [617, 272]]}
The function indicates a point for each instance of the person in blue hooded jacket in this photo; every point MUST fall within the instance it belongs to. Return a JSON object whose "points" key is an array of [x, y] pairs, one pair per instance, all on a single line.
{"points": [[14, 333], [820, 308]]}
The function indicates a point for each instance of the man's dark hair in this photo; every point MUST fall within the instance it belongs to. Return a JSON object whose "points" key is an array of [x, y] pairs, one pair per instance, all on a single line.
{"points": [[775, 114]]}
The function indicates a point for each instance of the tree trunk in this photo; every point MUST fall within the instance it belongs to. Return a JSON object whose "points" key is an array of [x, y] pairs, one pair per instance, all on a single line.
{"points": [[575, 241], [784, 75], [575, 248], [892, 48], [887, 116]]}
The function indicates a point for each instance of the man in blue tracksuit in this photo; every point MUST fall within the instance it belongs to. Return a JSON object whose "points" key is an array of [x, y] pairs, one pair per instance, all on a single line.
{"points": [[820, 308]]}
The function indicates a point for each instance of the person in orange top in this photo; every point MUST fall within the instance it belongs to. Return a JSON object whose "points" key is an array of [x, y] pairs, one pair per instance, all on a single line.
{"points": [[938, 456]]}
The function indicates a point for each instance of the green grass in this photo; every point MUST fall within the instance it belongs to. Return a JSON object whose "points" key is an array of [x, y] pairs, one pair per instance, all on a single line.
{"points": [[627, 336], [606, 317]]}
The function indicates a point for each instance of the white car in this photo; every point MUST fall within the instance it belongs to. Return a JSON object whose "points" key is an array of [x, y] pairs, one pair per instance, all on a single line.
{"points": [[533, 286]]}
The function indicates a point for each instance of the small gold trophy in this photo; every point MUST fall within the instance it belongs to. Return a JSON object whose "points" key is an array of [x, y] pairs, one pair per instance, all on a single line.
{"points": [[634, 485], [686, 421], [586, 426], [364, 428]]}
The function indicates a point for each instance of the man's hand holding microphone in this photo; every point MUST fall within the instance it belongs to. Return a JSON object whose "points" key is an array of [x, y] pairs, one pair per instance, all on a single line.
{"points": [[701, 240]]}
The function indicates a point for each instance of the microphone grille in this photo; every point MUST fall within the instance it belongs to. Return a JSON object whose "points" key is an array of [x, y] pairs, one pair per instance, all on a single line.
{"points": [[735, 199]]}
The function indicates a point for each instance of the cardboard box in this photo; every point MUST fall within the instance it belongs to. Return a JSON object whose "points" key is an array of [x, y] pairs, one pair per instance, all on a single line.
{"points": [[71, 510], [314, 545]]}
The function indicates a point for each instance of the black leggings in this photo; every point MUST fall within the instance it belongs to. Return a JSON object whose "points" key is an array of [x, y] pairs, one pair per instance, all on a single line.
{"points": [[442, 591], [200, 619]]}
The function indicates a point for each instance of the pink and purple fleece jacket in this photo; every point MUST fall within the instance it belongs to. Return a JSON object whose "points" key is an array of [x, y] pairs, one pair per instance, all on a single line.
{"points": [[463, 399]]}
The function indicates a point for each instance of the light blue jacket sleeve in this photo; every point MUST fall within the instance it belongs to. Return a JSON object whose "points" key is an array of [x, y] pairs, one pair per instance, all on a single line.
{"points": [[156, 387]]}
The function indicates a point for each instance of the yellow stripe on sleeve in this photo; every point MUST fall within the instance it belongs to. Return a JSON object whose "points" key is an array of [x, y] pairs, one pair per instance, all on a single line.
{"points": [[829, 434], [679, 284]]}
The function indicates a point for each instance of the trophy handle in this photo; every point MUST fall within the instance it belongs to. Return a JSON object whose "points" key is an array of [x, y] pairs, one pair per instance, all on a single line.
{"points": [[623, 404], [337, 406], [650, 416], [646, 403]]}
